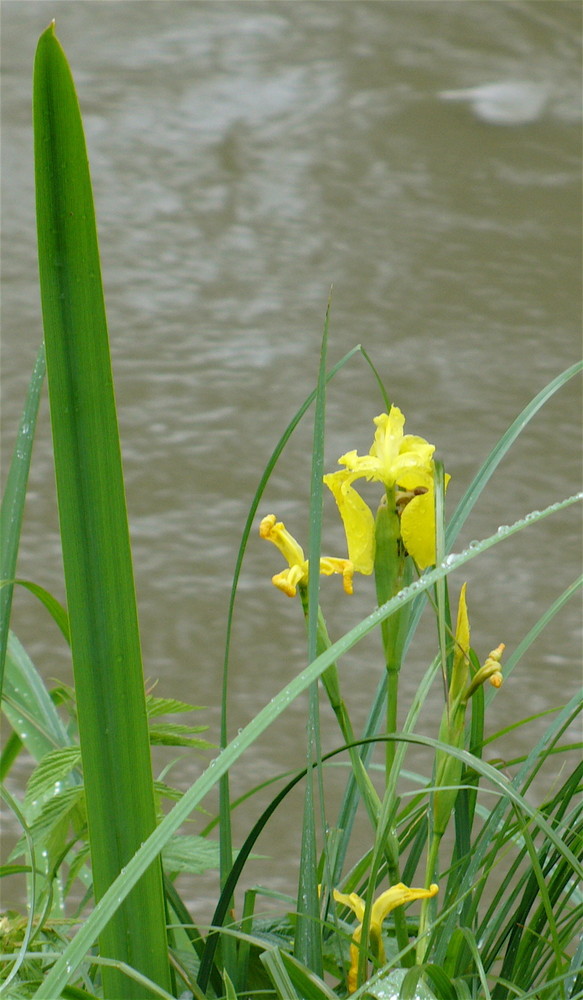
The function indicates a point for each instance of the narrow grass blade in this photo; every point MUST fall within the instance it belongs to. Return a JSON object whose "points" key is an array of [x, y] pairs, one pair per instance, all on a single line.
{"points": [[13, 500], [308, 940], [28, 706], [291, 979], [279, 975], [498, 452], [11, 803], [54, 607], [94, 531]]}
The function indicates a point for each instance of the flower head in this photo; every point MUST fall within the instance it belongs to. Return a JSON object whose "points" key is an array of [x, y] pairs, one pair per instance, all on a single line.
{"points": [[297, 573], [491, 670], [398, 460], [397, 895]]}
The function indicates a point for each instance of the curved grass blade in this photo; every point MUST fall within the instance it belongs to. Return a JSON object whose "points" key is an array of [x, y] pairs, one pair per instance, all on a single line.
{"points": [[94, 532], [20, 958], [500, 449]]}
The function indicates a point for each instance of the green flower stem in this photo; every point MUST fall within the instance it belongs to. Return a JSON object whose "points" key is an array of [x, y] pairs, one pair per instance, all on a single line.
{"points": [[393, 571], [427, 905], [331, 683], [399, 917]]}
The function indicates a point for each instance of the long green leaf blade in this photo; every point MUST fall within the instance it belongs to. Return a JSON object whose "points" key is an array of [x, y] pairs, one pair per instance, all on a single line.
{"points": [[94, 532]]}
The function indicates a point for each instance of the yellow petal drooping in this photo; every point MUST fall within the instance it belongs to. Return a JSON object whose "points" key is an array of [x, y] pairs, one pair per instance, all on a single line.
{"points": [[398, 895], [357, 518], [289, 579]]}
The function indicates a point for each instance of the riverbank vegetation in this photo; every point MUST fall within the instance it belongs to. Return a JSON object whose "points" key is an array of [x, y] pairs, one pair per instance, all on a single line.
{"points": [[463, 889]]}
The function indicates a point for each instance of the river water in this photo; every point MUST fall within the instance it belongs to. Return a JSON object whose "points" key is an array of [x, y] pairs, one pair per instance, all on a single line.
{"points": [[246, 157]]}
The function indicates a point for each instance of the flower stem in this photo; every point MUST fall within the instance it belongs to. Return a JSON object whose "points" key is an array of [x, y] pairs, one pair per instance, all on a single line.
{"points": [[427, 905], [331, 683]]}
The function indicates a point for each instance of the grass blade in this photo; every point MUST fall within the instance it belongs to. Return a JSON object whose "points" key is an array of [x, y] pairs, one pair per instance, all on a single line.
{"points": [[94, 533], [500, 449], [308, 942], [13, 501]]}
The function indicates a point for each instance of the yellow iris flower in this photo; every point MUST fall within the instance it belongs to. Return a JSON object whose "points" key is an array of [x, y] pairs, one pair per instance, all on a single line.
{"points": [[297, 573], [398, 895], [397, 460]]}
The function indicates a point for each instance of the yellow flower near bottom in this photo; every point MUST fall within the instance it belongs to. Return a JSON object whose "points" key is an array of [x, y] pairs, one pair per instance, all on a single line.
{"points": [[288, 580], [398, 895]]}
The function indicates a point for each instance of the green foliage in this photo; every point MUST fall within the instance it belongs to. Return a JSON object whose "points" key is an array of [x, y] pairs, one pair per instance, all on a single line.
{"points": [[504, 921]]}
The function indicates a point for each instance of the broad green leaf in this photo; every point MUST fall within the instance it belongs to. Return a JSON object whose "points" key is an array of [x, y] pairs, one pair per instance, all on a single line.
{"points": [[94, 532]]}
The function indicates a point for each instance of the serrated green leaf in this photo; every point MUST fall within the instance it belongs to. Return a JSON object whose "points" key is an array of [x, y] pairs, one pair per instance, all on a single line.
{"points": [[52, 812], [52, 769], [176, 735], [191, 854], [168, 706]]}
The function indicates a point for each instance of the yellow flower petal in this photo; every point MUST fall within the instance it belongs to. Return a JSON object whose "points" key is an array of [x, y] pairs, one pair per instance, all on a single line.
{"points": [[418, 529], [418, 519], [354, 901], [398, 459], [357, 518], [398, 895], [275, 531], [398, 452], [289, 579], [330, 565]]}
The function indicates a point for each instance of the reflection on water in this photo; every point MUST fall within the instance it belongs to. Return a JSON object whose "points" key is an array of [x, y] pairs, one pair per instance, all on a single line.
{"points": [[245, 157]]}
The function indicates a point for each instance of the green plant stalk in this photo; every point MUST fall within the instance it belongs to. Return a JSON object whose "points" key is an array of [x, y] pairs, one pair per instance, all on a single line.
{"points": [[425, 916], [331, 683], [392, 573], [392, 570], [94, 532], [308, 932]]}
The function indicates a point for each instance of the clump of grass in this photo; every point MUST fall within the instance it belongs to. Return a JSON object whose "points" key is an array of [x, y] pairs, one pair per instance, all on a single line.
{"points": [[492, 879]]}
